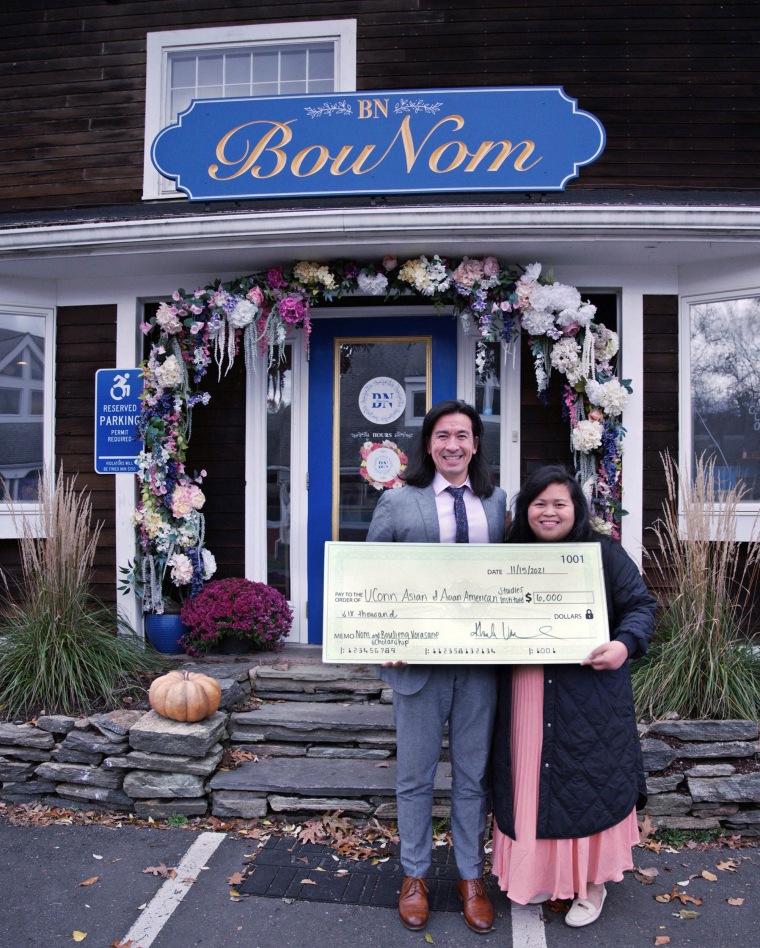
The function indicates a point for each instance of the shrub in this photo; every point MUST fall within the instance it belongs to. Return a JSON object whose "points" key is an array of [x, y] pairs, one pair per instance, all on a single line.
{"points": [[236, 608], [701, 663], [60, 647]]}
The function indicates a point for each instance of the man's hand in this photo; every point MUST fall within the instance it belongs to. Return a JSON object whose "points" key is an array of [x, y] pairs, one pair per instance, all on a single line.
{"points": [[607, 657], [393, 665]]}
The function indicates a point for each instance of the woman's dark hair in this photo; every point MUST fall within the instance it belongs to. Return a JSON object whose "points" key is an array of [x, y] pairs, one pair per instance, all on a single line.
{"points": [[520, 532], [421, 470]]}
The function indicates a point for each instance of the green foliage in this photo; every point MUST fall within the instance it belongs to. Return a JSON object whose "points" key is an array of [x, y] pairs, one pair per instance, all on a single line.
{"points": [[177, 820], [62, 650], [701, 663], [677, 838]]}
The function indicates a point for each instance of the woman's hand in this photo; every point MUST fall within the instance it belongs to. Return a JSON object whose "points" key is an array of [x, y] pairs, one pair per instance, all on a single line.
{"points": [[393, 665], [607, 657]]}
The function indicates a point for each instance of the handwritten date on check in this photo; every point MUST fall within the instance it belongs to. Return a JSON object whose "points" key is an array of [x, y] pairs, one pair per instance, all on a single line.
{"points": [[440, 603]]}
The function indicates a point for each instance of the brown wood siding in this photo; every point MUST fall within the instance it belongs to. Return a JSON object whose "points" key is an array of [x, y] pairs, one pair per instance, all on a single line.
{"points": [[86, 342], [660, 403], [217, 445], [673, 83]]}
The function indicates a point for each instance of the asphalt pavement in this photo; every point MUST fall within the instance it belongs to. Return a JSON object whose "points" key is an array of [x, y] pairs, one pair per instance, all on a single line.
{"points": [[68, 884]]}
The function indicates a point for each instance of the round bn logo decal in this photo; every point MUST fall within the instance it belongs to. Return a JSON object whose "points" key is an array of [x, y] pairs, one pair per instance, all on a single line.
{"points": [[382, 400]]}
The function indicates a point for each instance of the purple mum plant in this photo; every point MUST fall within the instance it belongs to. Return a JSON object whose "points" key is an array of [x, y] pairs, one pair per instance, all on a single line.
{"points": [[236, 608]]}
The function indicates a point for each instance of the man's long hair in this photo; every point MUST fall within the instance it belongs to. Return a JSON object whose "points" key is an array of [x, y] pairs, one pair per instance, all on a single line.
{"points": [[519, 530], [421, 469]]}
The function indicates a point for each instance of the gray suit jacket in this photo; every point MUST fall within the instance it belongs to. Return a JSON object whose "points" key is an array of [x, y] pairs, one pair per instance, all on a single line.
{"points": [[409, 515]]}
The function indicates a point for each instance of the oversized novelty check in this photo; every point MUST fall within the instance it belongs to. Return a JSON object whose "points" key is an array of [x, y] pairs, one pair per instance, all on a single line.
{"points": [[447, 603]]}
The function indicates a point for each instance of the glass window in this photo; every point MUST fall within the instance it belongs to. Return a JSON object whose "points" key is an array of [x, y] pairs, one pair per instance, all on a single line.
{"points": [[264, 59], [488, 361], [725, 388], [22, 404]]}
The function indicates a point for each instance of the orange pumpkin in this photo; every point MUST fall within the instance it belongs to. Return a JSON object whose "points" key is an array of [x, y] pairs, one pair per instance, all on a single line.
{"points": [[185, 696]]}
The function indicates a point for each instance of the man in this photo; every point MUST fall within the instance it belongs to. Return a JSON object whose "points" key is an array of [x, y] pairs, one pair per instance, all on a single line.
{"points": [[448, 497]]}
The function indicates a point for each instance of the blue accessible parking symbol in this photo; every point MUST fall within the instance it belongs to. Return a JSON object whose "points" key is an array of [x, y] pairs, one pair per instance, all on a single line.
{"points": [[117, 411]]}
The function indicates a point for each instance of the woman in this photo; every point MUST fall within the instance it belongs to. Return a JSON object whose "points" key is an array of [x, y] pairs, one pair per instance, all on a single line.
{"points": [[567, 768]]}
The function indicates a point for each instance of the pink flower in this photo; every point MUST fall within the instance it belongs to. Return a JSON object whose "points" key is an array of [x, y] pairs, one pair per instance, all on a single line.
{"points": [[389, 262], [275, 279], [255, 296], [490, 266], [467, 273], [293, 309], [185, 499]]}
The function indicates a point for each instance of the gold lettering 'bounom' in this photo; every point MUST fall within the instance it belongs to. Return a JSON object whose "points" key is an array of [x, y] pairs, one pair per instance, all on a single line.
{"points": [[251, 155], [268, 157]]}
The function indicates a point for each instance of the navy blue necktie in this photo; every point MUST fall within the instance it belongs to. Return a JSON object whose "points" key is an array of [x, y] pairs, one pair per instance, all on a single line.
{"points": [[460, 514]]}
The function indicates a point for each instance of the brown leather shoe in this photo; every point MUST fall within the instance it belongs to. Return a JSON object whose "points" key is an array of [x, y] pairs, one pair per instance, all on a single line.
{"points": [[477, 908], [413, 903]]}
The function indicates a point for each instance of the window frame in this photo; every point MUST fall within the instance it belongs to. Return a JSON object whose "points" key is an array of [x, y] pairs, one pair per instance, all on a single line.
{"points": [[160, 45], [10, 528], [748, 512]]}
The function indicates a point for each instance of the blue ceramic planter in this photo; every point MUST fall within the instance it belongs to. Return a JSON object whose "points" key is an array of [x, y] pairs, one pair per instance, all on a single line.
{"points": [[164, 632]]}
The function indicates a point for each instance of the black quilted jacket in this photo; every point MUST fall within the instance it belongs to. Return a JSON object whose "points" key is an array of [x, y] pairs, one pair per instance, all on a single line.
{"points": [[592, 772]]}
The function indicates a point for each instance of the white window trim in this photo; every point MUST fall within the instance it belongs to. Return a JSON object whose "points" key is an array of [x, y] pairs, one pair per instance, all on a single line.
{"points": [[747, 514], [10, 528], [160, 45]]}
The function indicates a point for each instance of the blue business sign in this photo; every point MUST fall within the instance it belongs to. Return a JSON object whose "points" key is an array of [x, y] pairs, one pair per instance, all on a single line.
{"points": [[430, 140], [117, 411]]}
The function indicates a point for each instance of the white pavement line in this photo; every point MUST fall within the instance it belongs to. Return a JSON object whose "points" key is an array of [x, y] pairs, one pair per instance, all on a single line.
{"points": [[160, 908], [528, 926]]}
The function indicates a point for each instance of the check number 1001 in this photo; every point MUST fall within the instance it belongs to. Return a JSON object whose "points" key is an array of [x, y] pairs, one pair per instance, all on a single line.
{"points": [[572, 557]]}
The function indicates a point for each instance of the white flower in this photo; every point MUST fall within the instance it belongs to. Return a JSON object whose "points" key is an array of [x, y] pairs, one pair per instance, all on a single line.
{"points": [[243, 314], [565, 356], [587, 436], [169, 373], [181, 569], [532, 273], [209, 564], [536, 322], [610, 396], [601, 526], [167, 319], [372, 285], [607, 343]]}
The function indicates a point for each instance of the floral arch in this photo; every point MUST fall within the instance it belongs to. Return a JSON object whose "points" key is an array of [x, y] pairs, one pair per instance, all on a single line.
{"points": [[253, 314]]}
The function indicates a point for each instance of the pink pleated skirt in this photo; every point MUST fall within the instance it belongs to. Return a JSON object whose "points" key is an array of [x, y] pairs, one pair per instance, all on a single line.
{"points": [[527, 867]]}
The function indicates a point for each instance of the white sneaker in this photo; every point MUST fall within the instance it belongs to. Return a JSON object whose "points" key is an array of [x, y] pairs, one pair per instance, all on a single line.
{"points": [[583, 912]]}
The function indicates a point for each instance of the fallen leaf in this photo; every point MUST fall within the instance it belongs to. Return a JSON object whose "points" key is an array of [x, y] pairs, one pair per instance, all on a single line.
{"points": [[662, 940], [710, 876], [735, 901], [685, 913], [164, 871], [189, 880], [236, 878], [429, 939], [96, 856], [675, 894], [728, 865], [646, 876], [308, 882], [234, 893], [383, 764], [78, 936], [91, 881], [121, 944]]}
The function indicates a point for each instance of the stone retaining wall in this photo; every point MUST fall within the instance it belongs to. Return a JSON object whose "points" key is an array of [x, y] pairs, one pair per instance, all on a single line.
{"points": [[301, 758], [701, 774]]}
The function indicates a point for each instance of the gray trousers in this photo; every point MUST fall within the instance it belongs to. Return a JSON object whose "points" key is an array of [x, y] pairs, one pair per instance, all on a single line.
{"points": [[466, 697]]}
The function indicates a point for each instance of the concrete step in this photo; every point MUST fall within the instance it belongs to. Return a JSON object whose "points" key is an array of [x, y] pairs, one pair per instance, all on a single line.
{"points": [[311, 722], [317, 682]]}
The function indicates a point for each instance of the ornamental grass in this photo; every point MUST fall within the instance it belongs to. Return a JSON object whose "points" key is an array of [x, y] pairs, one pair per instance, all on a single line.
{"points": [[63, 650], [702, 662]]}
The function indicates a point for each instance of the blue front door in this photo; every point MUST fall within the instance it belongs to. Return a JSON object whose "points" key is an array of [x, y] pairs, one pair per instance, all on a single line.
{"points": [[371, 380]]}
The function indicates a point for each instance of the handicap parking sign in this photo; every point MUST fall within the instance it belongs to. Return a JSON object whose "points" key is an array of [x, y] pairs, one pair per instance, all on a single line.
{"points": [[117, 411]]}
